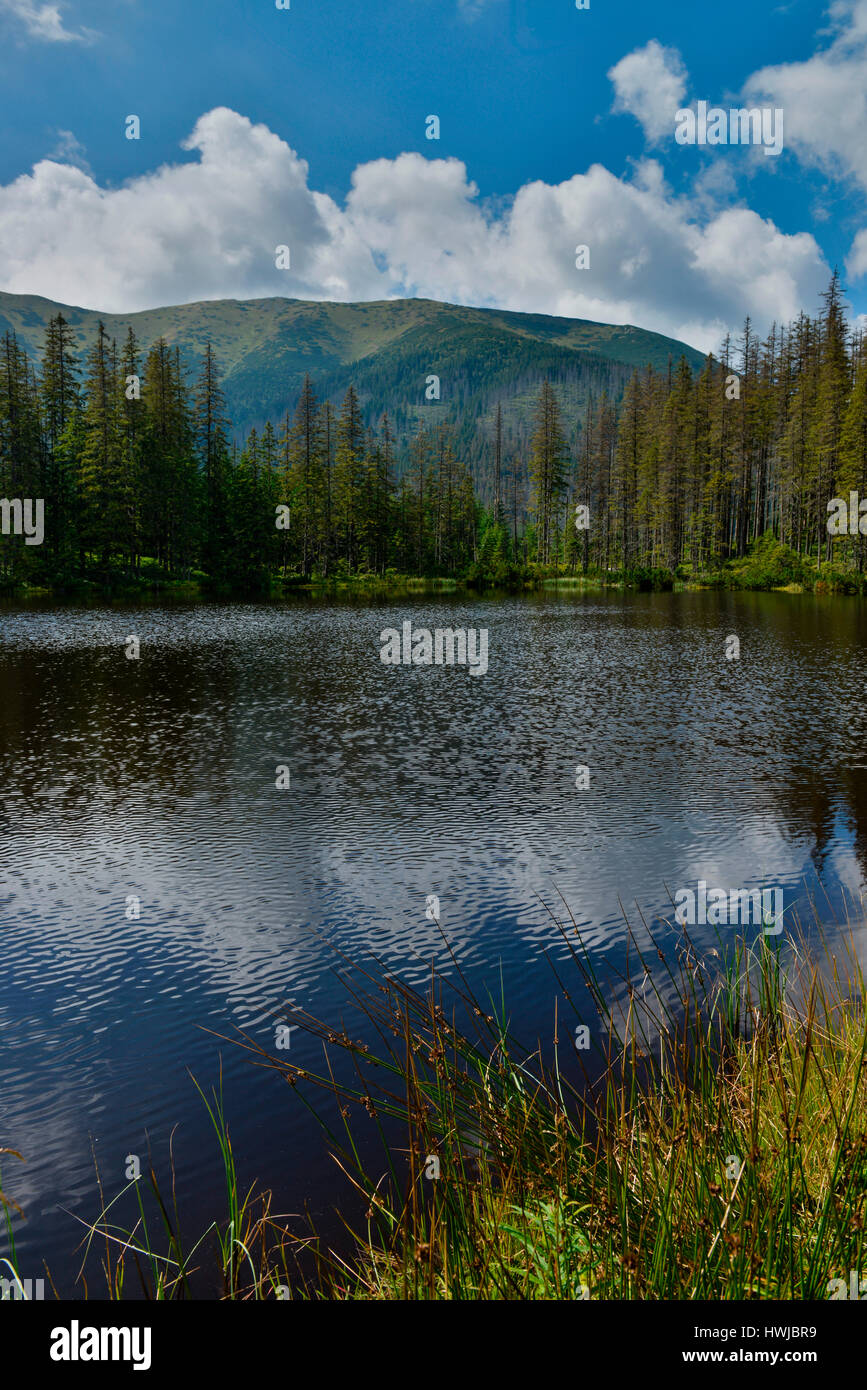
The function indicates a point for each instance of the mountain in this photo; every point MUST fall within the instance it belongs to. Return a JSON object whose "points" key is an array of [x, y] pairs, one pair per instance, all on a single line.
{"points": [[388, 349]]}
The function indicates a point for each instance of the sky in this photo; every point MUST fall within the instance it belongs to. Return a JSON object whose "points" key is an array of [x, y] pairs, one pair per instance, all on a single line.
{"points": [[307, 128]]}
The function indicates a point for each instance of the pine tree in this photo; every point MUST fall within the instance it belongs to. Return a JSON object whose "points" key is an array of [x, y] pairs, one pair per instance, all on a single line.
{"points": [[417, 518], [831, 392], [211, 436], [105, 519], [22, 470], [627, 461], [852, 465], [348, 478], [548, 461], [132, 428], [498, 464], [306, 477]]}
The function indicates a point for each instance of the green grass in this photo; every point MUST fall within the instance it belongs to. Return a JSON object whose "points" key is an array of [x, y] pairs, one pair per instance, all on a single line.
{"points": [[715, 1148], [769, 564], [720, 1154]]}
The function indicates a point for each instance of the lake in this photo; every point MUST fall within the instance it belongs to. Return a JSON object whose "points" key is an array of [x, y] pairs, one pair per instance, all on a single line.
{"points": [[148, 786]]}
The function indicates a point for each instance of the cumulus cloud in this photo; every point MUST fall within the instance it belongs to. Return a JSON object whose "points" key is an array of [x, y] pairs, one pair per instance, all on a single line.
{"points": [[825, 97], [652, 261], [40, 21], [825, 105], [650, 84], [208, 228], [199, 230]]}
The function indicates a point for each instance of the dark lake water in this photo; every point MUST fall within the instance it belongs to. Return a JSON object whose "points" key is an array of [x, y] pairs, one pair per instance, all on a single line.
{"points": [[155, 779]]}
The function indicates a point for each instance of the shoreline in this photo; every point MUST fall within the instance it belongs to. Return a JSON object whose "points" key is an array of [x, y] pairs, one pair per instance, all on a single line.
{"points": [[190, 592], [719, 1153]]}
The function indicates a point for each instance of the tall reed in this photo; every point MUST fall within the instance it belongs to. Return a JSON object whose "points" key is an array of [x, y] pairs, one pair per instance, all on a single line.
{"points": [[711, 1144]]}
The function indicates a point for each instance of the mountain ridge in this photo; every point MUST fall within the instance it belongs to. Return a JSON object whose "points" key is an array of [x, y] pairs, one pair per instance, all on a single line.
{"points": [[388, 349]]}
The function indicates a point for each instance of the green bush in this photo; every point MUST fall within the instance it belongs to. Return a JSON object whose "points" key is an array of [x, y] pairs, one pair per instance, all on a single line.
{"points": [[835, 579], [768, 565], [646, 577]]}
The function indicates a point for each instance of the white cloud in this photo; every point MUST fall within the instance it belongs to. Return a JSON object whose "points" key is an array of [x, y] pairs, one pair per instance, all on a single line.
{"points": [[650, 84], [199, 230], [856, 261], [652, 262], [41, 21], [69, 150], [825, 98], [208, 228], [825, 105]]}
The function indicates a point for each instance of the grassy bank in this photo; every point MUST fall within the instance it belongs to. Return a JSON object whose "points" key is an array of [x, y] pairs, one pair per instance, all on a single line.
{"points": [[718, 1150], [711, 1144], [768, 565]]}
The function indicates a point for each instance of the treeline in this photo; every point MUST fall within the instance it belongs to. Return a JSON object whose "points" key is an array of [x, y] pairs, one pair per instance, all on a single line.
{"points": [[137, 472], [135, 461], [689, 471]]}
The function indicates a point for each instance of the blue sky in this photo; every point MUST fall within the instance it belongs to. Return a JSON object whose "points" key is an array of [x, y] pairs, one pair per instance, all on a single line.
{"points": [[556, 128]]}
